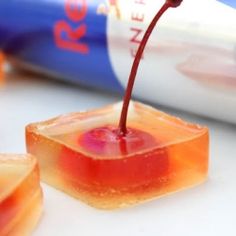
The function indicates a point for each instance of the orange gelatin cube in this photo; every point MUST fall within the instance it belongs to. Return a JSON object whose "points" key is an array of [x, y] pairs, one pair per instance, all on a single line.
{"points": [[20, 194], [79, 154]]}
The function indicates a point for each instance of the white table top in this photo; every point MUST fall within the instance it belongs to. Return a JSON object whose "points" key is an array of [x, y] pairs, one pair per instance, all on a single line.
{"points": [[209, 209]]}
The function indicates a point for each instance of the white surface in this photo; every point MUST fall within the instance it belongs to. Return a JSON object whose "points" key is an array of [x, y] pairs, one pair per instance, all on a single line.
{"points": [[209, 209]]}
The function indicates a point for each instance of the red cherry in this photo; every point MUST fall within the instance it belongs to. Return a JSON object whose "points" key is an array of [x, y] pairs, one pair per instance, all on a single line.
{"points": [[106, 141]]}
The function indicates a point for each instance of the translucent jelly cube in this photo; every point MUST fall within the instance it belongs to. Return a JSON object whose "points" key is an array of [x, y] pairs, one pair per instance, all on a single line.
{"points": [[81, 154], [20, 195]]}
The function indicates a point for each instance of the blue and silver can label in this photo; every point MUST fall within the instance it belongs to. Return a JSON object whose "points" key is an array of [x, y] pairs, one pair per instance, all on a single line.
{"points": [[189, 62]]}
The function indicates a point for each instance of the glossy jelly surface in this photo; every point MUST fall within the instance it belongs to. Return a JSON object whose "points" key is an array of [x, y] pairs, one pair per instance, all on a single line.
{"points": [[20, 195], [81, 154]]}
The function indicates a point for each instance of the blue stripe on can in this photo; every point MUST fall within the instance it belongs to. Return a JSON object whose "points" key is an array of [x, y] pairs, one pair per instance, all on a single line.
{"points": [[27, 32]]}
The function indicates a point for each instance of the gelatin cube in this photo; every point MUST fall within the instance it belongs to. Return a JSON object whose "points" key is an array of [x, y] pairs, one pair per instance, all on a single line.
{"points": [[20, 194], [165, 154]]}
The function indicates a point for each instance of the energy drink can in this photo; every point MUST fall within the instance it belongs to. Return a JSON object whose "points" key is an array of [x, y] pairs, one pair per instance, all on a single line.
{"points": [[189, 62]]}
